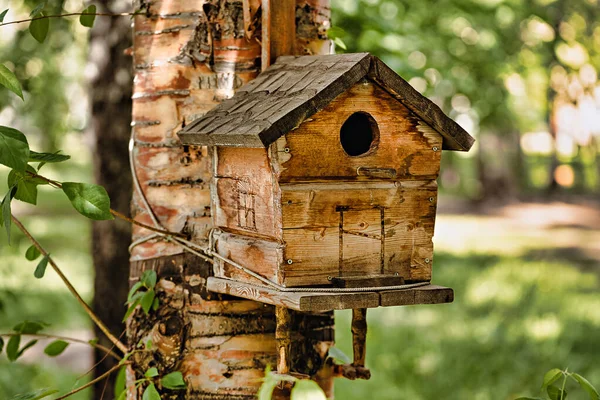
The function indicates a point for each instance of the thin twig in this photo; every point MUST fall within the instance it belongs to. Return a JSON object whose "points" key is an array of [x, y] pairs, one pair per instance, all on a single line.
{"points": [[90, 383], [108, 351], [150, 228], [70, 15], [72, 289], [117, 214]]}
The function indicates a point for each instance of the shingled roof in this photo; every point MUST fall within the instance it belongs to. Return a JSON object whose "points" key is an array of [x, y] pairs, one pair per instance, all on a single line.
{"points": [[294, 88]]}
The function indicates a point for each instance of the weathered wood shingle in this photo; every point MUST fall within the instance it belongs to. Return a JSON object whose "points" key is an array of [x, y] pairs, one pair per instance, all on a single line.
{"points": [[294, 88]]}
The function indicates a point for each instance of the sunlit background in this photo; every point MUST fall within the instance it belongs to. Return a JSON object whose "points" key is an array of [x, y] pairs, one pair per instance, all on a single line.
{"points": [[518, 230]]}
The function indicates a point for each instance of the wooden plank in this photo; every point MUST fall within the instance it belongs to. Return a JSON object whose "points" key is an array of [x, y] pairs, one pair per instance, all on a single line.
{"points": [[260, 256], [368, 281], [278, 29], [319, 301], [431, 294], [401, 150], [243, 193], [300, 301], [351, 229], [455, 137]]}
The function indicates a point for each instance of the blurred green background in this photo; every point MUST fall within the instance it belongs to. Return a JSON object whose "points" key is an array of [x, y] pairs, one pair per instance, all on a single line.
{"points": [[518, 231]]}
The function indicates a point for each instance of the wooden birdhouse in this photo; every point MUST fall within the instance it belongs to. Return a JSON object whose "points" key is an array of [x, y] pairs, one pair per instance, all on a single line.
{"points": [[324, 187]]}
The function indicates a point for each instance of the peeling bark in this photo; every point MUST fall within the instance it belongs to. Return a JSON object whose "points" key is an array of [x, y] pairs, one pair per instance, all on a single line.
{"points": [[188, 56]]}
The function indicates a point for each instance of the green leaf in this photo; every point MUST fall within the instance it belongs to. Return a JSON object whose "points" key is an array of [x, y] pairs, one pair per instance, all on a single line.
{"points": [[93, 342], [340, 43], [32, 253], [148, 278], [40, 270], [29, 344], [37, 395], [555, 393], [173, 381], [120, 381], [147, 300], [55, 348], [1, 344], [29, 327], [2, 15], [37, 9], [131, 309], [148, 345], [12, 348], [47, 157], [151, 393], [306, 389], [7, 78], [550, 377], [88, 199], [155, 304], [14, 149], [88, 20], [587, 386], [151, 372], [134, 289], [39, 27], [26, 184], [338, 356], [6, 211]]}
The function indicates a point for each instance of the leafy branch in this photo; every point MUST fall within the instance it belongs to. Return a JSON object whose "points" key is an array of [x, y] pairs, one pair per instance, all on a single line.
{"points": [[88, 14], [56, 349], [70, 287], [556, 393]]}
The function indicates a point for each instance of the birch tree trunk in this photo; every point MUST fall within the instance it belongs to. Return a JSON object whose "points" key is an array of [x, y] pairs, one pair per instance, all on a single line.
{"points": [[189, 56]]}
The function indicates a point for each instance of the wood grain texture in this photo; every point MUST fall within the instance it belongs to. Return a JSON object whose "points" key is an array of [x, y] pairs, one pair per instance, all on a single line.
{"points": [[455, 137], [318, 301], [244, 193], [260, 256], [295, 88], [299, 301], [353, 229], [279, 16], [402, 150]]}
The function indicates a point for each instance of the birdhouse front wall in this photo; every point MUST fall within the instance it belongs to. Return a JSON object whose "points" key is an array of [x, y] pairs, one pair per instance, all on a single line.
{"points": [[370, 214]]}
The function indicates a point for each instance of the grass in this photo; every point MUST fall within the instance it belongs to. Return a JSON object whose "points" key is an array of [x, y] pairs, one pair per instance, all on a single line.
{"points": [[526, 301]]}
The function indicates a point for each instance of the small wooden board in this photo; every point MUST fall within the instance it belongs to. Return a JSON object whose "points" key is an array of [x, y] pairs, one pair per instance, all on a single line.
{"points": [[319, 301]]}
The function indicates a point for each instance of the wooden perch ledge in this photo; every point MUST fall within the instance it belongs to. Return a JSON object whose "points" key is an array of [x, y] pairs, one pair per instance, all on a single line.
{"points": [[319, 301]]}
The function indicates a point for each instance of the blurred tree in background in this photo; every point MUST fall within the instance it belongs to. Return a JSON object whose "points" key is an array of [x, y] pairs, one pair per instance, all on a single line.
{"points": [[521, 75]]}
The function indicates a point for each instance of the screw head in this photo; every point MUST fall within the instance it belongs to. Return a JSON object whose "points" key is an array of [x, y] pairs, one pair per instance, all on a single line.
{"points": [[329, 278], [435, 148], [427, 260], [286, 150], [396, 274], [431, 199], [290, 261]]}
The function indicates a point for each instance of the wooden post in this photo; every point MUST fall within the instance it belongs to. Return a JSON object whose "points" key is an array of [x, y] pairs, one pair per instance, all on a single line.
{"points": [[278, 30], [359, 336], [283, 337]]}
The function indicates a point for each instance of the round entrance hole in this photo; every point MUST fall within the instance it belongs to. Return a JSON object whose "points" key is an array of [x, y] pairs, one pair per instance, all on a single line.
{"points": [[359, 134]]}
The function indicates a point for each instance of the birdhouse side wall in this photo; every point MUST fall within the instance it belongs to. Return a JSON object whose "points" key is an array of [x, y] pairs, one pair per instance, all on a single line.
{"points": [[371, 214], [245, 209]]}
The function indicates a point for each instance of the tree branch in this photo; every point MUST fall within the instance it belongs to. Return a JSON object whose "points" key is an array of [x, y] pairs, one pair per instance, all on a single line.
{"points": [[90, 383], [68, 339], [71, 288], [58, 185], [150, 228], [70, 15]]}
